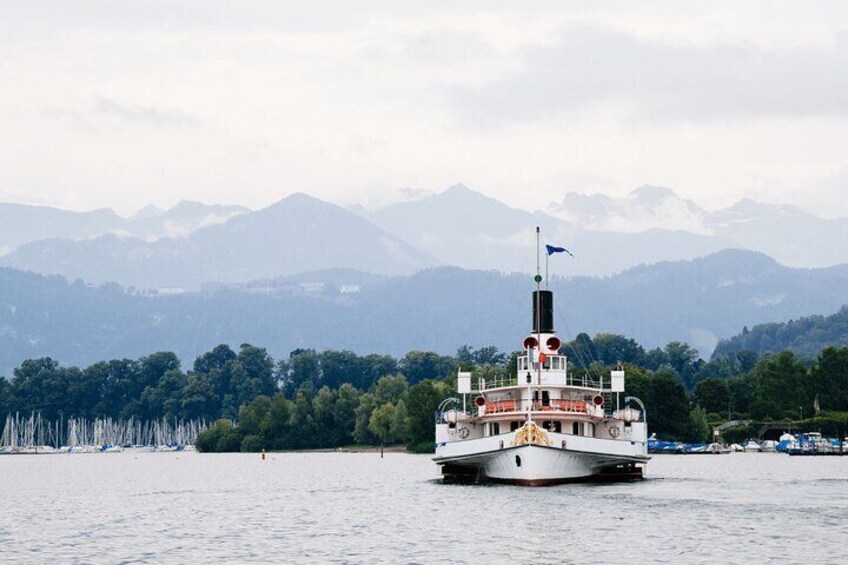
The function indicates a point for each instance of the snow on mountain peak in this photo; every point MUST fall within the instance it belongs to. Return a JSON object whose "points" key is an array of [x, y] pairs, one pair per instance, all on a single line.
{"points": [[645, 208]]}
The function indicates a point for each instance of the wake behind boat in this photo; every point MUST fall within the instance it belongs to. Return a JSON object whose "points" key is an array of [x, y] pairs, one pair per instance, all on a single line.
{"points": [[543, 426]]}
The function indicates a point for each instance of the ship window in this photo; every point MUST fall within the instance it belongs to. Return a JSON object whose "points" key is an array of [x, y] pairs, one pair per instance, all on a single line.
{"points": [[496, 428], [558, 427], [546, 398], [514, 426], [518, 461], [547, 424], [575, 428]]}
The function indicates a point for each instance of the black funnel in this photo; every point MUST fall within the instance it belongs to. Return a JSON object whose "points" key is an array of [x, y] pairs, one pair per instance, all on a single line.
{"points": [[543, 311]]}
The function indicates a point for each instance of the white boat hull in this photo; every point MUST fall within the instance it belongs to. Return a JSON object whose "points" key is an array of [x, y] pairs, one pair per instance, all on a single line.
{"points": [[531, 464]]}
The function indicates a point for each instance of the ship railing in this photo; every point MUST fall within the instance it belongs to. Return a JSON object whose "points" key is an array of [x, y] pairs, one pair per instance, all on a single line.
{"points": [[566, 406], [582, 381], [585, 381], [498, 382]]}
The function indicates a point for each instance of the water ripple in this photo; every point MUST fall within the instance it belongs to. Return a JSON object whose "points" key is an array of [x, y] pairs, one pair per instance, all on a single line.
{"points": [[358, 508]]}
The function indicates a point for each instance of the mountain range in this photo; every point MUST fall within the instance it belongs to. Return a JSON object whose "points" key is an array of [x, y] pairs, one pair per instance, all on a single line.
{"points": [[439, 309], [192, 244], [299, 233]]}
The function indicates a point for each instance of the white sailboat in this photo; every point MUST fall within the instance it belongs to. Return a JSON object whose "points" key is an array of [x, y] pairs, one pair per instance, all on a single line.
{"points": [[544, 426]]}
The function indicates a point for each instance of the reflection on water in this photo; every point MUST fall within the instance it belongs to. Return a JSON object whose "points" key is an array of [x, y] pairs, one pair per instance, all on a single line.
{"points": [[349, 507]]}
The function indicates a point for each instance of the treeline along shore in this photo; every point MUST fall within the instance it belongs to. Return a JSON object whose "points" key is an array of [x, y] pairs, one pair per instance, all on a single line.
{"points": [[332, 399]]}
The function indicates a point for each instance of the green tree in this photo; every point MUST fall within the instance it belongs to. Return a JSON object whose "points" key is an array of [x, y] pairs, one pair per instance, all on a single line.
{"points": [[302, 422], [220, 437], [420, 365], [391, 389], [347, 399], [39, 386], [489, 355], [324, 415], [117, 380], [400, 423], [4, 398], [362, 432], [198, 398], [829, 379], [780, 387], [741, 390], [374, 367], [699, 429], [713, 395], [668, 411], [465, 358], [251, 416], [582, 351], [276, 423], [302, 367], [685, 361], [151, 369], [424, 399], [252, 374], [340, 367], [219, 358], [382, 421], [613, 348]]}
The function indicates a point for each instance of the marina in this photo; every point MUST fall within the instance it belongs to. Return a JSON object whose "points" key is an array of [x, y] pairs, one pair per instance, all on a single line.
{"points": [[33, 435], [808, 443]]}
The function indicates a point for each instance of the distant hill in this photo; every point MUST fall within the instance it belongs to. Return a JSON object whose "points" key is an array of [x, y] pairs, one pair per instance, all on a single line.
{"points": [[21, 223], [788, 234], [806, 336], [465, 228], [439, 309], [298, 233], [181, 220], [193, 244]]}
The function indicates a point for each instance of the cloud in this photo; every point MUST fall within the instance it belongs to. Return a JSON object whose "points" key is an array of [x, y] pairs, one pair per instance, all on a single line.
{"points": [[590, 68], [163, 117]]}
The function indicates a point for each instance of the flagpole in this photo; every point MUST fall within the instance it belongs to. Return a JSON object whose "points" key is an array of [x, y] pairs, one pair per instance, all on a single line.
{"points": [[547, 258], [538, 317]]}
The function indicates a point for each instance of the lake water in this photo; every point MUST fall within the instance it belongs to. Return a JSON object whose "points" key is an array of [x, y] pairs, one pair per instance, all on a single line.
{"points": [[358, 508]]}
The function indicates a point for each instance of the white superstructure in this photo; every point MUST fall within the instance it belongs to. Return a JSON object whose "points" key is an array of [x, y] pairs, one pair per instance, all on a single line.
{"points": [[544, 425]]}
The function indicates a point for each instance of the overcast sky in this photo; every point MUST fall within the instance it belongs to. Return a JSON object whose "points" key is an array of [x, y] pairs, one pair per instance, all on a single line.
{"points": [[124, 103]]}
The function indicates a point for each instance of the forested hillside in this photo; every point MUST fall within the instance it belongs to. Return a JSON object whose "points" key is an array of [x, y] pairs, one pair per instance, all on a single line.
{"points": [[694, 302], [805, 336]]}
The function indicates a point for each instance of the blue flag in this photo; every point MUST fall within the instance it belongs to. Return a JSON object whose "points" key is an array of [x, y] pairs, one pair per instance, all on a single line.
{"points": [[551, 250]]}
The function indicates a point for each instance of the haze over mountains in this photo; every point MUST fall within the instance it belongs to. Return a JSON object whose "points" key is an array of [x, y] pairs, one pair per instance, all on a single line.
{"points": [[298, 233], [438, 309], [193, 243], [788, 234]]}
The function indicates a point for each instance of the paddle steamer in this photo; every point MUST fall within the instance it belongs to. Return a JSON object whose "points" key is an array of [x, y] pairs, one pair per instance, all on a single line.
{"points": [[543, 425]]}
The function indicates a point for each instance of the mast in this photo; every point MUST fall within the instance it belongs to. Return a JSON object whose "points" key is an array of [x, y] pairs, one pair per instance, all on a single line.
{"points": [[538, 279]]}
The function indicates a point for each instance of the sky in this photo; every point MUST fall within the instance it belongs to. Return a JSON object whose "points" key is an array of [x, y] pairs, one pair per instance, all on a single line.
{"points": [[122, 104]]}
